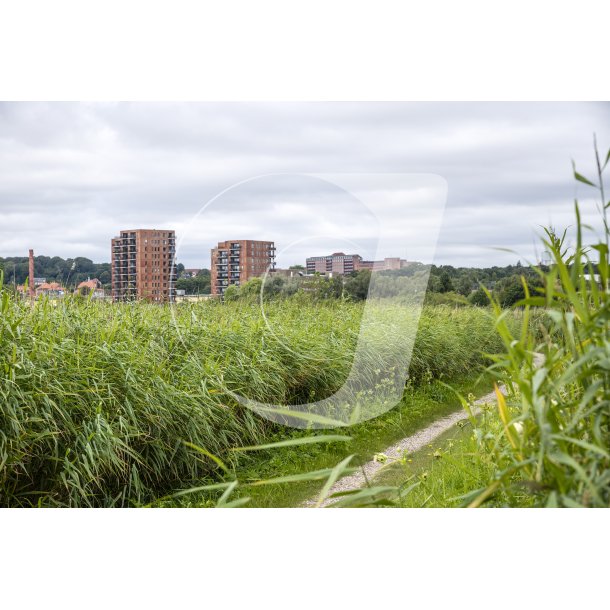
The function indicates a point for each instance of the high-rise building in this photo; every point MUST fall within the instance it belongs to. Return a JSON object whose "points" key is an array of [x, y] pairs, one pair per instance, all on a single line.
{"points": [[338, 263], [236, 261], [143, 265]]}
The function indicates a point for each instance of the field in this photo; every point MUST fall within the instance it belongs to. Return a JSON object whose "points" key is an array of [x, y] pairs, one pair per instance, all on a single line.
{"points": [[118, 405], [135, 404]]}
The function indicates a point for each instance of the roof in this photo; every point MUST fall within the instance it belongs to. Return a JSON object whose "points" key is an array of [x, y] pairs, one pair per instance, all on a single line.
{"points": [[93, 284], [51, 286]]}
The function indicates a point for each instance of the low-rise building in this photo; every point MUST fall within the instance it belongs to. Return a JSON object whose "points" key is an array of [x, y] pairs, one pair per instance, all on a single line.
{"points": [[53, 290], [91, 287], [341, 263], [338, 262], [189, 273], [296, 273], [391, 263]]}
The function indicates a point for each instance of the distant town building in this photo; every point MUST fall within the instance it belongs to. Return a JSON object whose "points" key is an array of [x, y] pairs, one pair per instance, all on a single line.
{"points": [[188, 273], [53, 290], [143, 265], [234, 262], [343, 264], [91, 287], [336, 263], [387, 264], [297, 273]]}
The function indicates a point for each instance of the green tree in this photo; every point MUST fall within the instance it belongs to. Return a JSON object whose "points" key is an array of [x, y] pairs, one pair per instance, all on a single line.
{"points": [[357, 284], [479, 298], [251, 289], [464, 284], [231, 293], [446, 285]]}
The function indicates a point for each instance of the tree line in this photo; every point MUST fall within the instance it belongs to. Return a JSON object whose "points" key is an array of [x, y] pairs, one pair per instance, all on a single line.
{"points": [[437, 284], [442, 284], [70, 272]]}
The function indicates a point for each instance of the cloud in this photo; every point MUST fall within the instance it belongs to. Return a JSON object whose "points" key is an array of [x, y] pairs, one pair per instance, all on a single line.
{"points": [[72, 175]]}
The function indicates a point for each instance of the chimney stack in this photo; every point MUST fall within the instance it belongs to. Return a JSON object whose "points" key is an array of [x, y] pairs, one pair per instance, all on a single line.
{"points": [[31, 278]]}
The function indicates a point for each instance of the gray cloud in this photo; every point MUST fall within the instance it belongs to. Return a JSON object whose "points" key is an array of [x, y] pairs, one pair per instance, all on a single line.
{"points": [[73, 174]]}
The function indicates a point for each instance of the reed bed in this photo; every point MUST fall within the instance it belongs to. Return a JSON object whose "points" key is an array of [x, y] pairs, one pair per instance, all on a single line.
{"points": [[100, 403]]}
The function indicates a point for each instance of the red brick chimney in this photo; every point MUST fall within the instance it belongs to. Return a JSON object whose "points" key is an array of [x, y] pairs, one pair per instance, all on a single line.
{"points": [[31, 278]]}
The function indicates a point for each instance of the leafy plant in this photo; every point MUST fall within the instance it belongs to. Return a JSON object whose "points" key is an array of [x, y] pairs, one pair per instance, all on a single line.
{"points": [[553, 433]]}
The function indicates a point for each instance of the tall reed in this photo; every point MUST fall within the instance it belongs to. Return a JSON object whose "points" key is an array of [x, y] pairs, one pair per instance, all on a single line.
{"points": [[553, 434], [101, 404]]}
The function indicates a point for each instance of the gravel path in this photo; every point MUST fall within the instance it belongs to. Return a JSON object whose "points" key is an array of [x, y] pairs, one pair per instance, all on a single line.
{"points": [[410, 443]]}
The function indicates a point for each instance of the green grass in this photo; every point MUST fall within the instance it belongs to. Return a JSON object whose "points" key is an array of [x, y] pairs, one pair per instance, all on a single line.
{"points": [[447, 473], [100, 404], [420, 406]]}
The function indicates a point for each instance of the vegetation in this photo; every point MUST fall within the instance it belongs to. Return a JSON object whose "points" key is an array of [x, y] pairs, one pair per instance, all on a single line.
{"points": [[454, 284], [441, 474], [67, 272], [200, 284], [117, 404], [546, 444], [441, 285], [553, 435], [114, 405], [422, 403]]}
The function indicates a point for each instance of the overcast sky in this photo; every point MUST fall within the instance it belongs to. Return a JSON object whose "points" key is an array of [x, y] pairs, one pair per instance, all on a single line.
{"points": [[72, 175]]}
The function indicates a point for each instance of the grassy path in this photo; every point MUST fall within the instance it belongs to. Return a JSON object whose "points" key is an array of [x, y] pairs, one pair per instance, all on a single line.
{"points": [[421, 407], [395, 452]]}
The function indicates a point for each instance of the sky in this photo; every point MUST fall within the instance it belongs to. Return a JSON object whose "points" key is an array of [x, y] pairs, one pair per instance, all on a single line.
{"points": [[453, 183]]}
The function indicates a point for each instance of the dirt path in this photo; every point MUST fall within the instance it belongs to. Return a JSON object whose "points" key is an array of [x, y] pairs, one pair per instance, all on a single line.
{"points": [[411, 443], [394, 452]]}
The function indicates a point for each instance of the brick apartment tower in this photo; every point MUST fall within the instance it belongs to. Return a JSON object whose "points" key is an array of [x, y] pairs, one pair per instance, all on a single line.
{"points": [[143, 265], [237, 261]]}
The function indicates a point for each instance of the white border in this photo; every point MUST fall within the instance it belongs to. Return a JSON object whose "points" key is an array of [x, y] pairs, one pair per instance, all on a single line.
{"points": [[313, 50], [304, 558]]}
